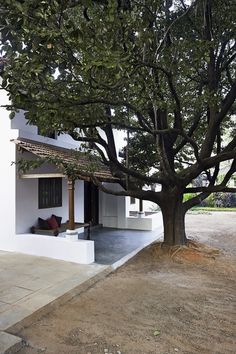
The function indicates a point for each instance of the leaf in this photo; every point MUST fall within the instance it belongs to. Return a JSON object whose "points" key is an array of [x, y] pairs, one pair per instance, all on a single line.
{"points": [[156, 332], [19, 6], [12, 115]]}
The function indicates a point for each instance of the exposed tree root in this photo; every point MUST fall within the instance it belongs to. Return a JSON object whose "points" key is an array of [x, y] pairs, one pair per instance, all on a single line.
{"points": [[193, 252]]}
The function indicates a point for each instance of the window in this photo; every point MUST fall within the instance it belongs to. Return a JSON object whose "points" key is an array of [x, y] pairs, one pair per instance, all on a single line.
{"points": [[132, 200], [50, 192]]}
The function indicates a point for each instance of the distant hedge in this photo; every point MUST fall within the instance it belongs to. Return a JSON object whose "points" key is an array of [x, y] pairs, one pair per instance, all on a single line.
{"points": [[220, 200]]}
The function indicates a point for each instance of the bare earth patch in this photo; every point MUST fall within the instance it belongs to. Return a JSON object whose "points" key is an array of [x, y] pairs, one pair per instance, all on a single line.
{"points": [[158, 303], [194, 252]]}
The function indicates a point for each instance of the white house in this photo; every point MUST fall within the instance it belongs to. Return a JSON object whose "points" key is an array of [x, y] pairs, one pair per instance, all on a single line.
{"points": [[22, 202]]}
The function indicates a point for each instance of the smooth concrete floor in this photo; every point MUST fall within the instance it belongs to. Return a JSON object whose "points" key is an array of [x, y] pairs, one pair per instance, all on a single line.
{"points": [[113, 244]]}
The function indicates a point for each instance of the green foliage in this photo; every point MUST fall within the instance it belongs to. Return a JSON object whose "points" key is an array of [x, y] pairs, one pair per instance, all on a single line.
{"points": [[221, 200], [25, 166], [101, 57], [225, 199], [210, 202], [141, 152], [189, 196], [165, 74], [207, 209]]}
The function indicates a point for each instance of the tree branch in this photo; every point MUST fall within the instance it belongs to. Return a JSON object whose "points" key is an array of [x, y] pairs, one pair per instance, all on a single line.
{"points": [[189, 133], [229, 173], [192, 172], [184, 135], [114, 162], [141, 194], [195, 200], [171, 25], [228, 62], [227, 103]]}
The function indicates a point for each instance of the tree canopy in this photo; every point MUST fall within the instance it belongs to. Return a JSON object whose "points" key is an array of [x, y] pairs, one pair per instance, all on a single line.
{"points": [[161, 70]]}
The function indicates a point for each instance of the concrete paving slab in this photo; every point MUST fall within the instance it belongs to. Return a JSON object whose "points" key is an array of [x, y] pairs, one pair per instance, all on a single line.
{"points": [[4, 306], [13, 294], [74, 280], [24, 302], [13, 315], [9, 343], [32, 286]]}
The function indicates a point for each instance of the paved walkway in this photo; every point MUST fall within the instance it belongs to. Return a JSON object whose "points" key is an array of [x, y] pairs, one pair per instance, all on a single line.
{"points": [[31, 286]]}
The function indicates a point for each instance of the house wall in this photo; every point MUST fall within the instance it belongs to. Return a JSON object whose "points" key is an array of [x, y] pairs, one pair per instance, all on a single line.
{"points": [[115, 213], [113, 208], [31, 132], [27, 211], [132, 207], [7, 176], [18, 199], [109, 207]]}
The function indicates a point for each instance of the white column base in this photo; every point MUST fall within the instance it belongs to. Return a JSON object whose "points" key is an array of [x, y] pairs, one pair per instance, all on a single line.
{"points": [[141, 214], [72, 235]]}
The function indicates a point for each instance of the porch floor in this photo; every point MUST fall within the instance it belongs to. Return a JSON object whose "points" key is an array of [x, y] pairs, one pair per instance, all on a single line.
{"points": [[111, 245]]}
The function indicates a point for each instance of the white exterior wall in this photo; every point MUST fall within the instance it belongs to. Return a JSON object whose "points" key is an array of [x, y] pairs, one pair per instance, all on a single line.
{"points": [[115, 213], [31, 132], [27, 211], [19, 199], [7, 176], [132, 207]]}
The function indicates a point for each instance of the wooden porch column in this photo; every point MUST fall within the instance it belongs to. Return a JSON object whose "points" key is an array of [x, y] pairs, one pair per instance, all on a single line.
{"points": [[140, 205], [71, 192]]}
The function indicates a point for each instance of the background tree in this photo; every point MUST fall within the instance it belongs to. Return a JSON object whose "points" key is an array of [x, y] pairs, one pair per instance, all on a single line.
{"points": [[162, 70]]}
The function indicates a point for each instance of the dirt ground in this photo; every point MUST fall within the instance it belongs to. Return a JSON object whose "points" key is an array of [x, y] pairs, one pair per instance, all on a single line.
{"points": [[153, 305]]}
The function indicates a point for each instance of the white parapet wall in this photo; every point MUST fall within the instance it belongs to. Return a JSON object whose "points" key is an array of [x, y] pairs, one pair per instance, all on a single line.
{"points": [[79, 251], [149, 222], [115, 214]]}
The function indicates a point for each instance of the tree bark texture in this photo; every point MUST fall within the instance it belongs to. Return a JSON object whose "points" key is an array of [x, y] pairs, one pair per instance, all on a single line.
{"points": [[173, 214]]}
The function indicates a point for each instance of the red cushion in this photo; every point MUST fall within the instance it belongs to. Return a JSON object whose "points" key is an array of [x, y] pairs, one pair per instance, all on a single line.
{"points": [[52, 222]]}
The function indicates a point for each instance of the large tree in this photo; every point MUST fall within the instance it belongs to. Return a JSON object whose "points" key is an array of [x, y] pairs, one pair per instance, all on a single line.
{"points": [[161, 70]]}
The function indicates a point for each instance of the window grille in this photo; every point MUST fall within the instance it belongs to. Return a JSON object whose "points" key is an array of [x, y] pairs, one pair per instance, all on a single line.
{"points": [[50, 192]]}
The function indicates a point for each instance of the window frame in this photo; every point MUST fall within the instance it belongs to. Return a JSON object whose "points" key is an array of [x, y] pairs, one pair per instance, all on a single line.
{"points": [[49, 192], [132, 200]]}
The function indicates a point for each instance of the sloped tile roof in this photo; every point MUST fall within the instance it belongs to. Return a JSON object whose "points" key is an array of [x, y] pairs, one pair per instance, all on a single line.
{"points": [[68, 157]]}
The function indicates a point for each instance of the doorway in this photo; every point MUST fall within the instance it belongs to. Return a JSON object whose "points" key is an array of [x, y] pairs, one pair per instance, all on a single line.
{"points": [[91, 203]]}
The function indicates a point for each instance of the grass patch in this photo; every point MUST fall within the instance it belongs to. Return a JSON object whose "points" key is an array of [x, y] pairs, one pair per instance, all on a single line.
{"points": [[212, 209]]}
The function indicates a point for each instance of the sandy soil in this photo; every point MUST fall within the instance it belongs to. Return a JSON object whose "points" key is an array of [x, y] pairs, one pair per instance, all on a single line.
{"points": [[153, 305]]}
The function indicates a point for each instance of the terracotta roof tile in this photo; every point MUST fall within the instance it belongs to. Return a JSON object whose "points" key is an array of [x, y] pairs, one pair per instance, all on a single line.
{"points": [[67, 157]]}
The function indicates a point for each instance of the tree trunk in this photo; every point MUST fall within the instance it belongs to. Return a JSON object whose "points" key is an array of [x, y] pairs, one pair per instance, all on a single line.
{"points": [[173, 220]]}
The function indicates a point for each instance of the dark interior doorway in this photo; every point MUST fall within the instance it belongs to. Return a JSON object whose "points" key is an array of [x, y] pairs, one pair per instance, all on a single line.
{"points": [[91, 203]]}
